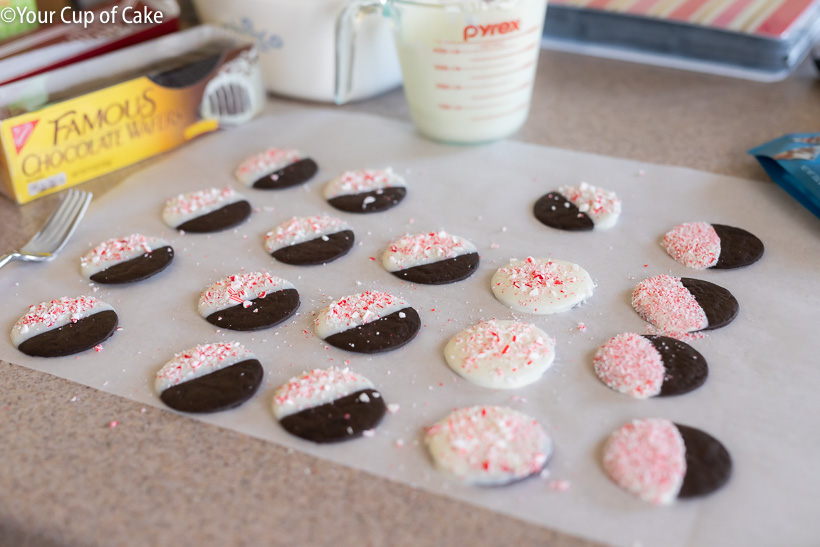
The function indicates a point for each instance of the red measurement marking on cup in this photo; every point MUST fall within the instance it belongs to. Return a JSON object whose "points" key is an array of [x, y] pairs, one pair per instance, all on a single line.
{"points": [[459, 68], [516, 89], [500, 74], [500, 114], [456, 87], [479, 47], [459, 107], [506, 55]]}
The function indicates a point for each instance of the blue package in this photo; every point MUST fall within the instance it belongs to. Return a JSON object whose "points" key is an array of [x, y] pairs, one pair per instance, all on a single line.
{"points": [[793, 162]]}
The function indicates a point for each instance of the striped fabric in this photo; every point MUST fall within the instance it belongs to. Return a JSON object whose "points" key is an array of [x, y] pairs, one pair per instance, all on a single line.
{"points": [[769, 18]]}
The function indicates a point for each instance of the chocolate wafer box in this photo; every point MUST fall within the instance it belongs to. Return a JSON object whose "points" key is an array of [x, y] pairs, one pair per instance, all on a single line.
{"points": [[76, 123], [793, 162]]}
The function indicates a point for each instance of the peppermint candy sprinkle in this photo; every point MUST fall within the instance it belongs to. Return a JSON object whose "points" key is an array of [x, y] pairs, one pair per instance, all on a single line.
{"points": [[666, 303], [199, 361], [316, 388], [629, 363], [184, 207], [488, 445], [602, 206], [415, 250], [694, 244], [258, 165], [114, 251], [494, 339], [500, 354], [301, 229], [354, 310], [364, 180], [54, 314], [540, 285], [239, 289], [648, 459]]}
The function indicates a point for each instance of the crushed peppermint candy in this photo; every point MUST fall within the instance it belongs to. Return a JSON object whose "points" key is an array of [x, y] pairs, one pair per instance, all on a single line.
{"points": [[500, 354], [316, 388], [682, 336], [199, 361], [54, 314], [541, 285], [559, 485], [258, 165], [602, 206], [629, 363], [239, 289], [362, 181], [648, 459], [694, 244], [354, 310], [183, 207], [488, 445], [116, 250], [664, 301], [301, 229], [418, 249]]}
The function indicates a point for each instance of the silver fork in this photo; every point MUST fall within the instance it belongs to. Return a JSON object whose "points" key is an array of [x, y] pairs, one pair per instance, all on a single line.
{"points": [[53, 236]]}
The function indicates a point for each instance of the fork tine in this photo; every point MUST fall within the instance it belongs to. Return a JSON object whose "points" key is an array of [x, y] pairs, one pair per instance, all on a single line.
{"points": [[45, 238], [72, 222], [83, 207], [52, 239], [55, 234], [58, 213]]}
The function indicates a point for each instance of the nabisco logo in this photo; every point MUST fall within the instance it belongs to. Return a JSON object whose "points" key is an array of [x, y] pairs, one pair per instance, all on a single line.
{"points": [[474, 31], [21, 133]]}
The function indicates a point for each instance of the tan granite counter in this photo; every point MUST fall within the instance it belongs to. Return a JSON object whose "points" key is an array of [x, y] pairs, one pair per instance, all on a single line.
{"points": [[159, 478]]}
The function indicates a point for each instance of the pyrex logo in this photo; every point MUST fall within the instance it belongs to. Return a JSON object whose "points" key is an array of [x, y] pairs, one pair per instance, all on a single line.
{"points": [[473, 31]]}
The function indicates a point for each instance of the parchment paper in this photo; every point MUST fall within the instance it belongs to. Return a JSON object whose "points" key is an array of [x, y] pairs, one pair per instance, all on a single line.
{"points": [[760, 400]]}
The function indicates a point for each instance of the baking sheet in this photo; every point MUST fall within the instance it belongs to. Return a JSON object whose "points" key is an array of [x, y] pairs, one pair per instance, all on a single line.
{"points": [[760, 399]]}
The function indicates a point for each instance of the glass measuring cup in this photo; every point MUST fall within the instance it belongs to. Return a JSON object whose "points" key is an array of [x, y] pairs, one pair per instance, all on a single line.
{"points": [[468, 65]]}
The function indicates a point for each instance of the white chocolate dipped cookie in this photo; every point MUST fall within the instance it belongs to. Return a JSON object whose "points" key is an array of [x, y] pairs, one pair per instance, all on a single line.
{"points": [[500, 354], [541, 286]]}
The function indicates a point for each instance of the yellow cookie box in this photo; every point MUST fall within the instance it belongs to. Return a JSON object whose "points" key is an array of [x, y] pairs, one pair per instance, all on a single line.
{"points": [[198, 81]]}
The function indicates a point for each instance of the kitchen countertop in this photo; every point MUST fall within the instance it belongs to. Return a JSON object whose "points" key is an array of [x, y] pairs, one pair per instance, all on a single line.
{"points": [[160, 478]]}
